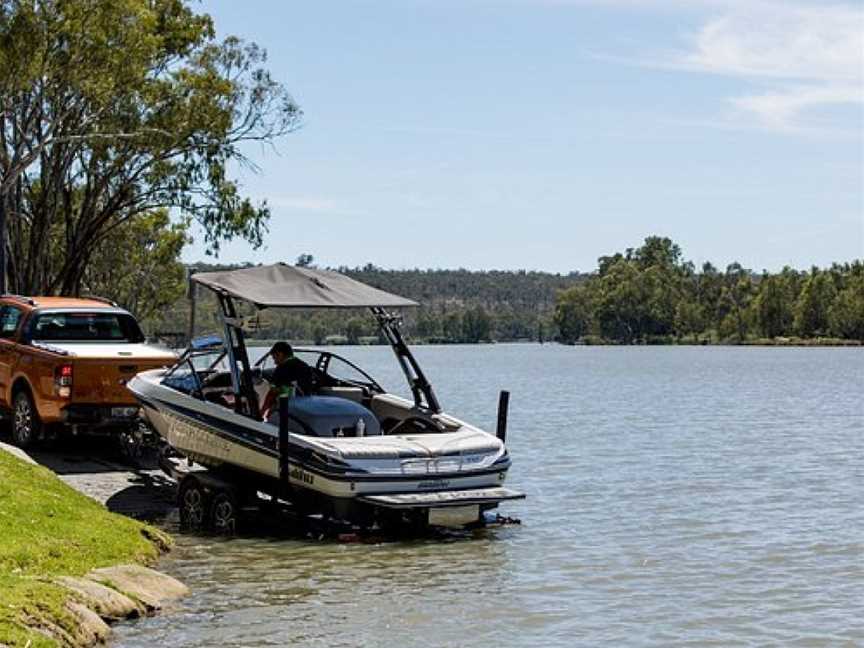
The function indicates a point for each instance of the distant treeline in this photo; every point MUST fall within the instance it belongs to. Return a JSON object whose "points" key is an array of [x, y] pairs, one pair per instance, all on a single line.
{"points": [[456, 306], [651, 295], [640, 296]]}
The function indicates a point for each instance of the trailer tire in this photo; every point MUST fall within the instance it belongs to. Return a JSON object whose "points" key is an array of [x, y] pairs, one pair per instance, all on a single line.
{"points": [[224, 512], [192, 501], [26, 424]]}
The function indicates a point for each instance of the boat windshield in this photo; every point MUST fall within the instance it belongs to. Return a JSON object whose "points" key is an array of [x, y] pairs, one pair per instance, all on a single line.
{"points": [[194, 367], [209, 360], [203, 372], [335, 369]]}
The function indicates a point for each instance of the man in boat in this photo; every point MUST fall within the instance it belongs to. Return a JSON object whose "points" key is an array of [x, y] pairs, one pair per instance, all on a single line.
{"points": [[290, 376]]}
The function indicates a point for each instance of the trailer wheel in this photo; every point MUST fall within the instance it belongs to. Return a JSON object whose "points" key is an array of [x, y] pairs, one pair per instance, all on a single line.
{"points": [[192, 501], [26, 426], [223, 513]]}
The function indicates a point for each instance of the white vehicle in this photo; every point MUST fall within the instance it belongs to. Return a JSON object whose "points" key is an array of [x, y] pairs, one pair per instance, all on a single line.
{"points": [[341, 446]]}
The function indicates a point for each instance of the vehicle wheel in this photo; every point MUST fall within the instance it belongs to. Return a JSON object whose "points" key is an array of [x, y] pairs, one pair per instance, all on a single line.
{"points": [[129, 447], [223, 513], [192, 501], [26, 426], [134, 442]]}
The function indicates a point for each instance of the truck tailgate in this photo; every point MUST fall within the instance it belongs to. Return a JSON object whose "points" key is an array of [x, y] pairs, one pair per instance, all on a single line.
{"points": [[103, 380]]}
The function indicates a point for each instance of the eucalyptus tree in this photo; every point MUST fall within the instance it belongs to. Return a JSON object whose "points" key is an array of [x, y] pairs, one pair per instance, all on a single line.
{"points": [[146, 250], [656, 251], [846, 313], [622, 302], [111, 109], [735, 301], [574, 313], [773, 306], [811, 308], [476, 325]]}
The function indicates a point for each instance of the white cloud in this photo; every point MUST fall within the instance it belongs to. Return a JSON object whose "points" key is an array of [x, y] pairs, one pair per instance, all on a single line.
{"points": [[802, 56], [782, 110], [824, 43], [819, 47]]}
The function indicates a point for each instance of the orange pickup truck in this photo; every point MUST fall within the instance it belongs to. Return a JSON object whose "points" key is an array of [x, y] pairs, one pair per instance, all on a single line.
{"points": [[64, 364]]}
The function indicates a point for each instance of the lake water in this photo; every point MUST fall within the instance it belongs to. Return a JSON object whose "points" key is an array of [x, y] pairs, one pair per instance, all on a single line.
{"points": [[676, 496]]}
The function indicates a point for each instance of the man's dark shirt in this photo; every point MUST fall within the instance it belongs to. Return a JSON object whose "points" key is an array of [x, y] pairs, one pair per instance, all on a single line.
{"points": [[293, 370]]}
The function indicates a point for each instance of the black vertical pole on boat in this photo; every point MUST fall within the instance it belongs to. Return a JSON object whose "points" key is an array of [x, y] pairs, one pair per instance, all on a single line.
{"points": [[503, 407], [283, 438], [192, 294]]}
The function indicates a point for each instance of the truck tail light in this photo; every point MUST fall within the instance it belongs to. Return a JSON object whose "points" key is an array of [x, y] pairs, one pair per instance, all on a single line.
{"points": [[63, 380]]}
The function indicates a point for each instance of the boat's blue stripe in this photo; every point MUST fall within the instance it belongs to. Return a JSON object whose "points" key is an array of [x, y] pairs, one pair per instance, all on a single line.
{"points": [[226, 429]]}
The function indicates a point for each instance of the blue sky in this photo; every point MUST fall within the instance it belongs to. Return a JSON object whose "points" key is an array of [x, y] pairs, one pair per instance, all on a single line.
{"points": [[541, 134]]}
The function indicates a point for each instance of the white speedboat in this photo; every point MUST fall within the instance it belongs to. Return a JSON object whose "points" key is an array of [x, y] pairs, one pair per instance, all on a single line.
{"points": [[341, 446]]}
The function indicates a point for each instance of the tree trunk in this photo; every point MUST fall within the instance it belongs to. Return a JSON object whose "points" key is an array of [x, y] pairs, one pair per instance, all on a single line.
{"points": [[3, 243]]}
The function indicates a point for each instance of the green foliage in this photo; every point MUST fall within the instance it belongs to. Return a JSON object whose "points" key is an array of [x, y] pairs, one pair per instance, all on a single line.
{"points": [[811, 308], [649, 295], [645, 295], [138, 265], [773, 307], [455, 306], [846, 313], [622, 304], [476, 325], [355, 328], [734, 305], [574, 313], [656, 252], [113, 109], [690, 318], [452, 327]]}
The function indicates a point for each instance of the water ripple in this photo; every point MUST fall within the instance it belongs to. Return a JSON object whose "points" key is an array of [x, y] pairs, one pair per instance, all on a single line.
{"points": [[677, 497]]}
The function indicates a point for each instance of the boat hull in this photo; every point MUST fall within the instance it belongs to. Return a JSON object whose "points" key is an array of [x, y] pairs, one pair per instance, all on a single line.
{"points": [[221, 439]]}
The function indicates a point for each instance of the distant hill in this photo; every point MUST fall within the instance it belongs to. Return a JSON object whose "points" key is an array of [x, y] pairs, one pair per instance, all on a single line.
{"points": [[456, 306]]}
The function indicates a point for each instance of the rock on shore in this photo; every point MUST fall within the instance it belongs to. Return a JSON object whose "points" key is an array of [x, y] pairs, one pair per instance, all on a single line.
{"points": [[111, 594], [149, 587], [51, 531]]}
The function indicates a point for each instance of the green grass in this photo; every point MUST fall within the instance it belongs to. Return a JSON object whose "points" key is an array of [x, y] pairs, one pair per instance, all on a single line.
{"points": [[48, 529]]}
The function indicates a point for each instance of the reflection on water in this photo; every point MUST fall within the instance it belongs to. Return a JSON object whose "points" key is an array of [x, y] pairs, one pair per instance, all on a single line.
{"points": [[702, 495]]}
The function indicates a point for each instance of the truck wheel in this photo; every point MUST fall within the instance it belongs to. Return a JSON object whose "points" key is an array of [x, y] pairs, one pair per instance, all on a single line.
{"points": [[192, 501], [132, 441], [223, 513], [26, 426]]}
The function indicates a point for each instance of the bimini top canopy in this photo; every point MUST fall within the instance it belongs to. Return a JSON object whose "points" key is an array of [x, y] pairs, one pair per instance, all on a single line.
{"points": [[284, 286]]}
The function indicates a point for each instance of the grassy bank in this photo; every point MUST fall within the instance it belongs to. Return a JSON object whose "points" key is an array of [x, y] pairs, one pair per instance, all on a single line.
{"points": [[48, 529]]}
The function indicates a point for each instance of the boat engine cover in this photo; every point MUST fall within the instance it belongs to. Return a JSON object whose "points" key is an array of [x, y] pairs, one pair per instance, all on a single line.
{"points": [[327, 416]]}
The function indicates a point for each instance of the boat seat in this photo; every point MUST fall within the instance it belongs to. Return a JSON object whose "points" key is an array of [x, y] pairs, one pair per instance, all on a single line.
{"points": [[218, 397], [327, 416]]}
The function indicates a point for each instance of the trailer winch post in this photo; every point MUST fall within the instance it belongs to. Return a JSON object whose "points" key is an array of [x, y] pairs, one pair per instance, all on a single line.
{"points": [[503, 407]]}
